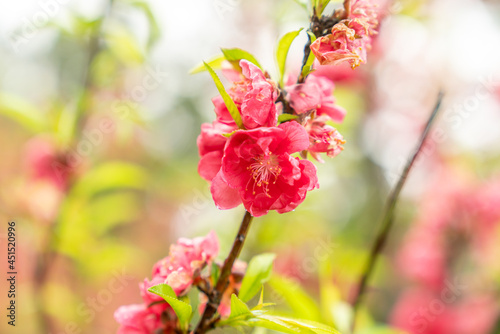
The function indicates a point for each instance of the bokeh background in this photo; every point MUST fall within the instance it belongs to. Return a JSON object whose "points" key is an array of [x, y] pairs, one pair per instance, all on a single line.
{"points": [[103, 86]]}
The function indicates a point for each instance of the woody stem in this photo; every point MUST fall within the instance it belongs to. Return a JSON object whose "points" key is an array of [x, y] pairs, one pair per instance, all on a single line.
{"points": [[388, 216], [206, 322]]}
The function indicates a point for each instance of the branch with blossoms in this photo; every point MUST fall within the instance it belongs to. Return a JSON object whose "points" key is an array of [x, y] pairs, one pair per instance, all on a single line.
{"points": [[255, 153]]}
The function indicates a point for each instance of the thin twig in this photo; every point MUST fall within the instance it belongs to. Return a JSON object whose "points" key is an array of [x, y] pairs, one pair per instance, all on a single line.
{"points": [[48, 255], [319, 26], [387, 220], [44, 262], [207, 322], [307, 52]]}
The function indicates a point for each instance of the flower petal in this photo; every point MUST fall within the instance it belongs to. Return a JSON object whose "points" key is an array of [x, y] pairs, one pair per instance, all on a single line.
{"points": [[296, 139], [224, 196], [209, 165]]}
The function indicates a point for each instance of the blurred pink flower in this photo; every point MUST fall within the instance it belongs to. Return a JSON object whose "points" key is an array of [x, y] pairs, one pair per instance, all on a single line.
{"points": [[425, 252], [423, 257], [366, 11], [180, 267], [138, 319], [453, 206], [420, 311], [474, 315], [258, 170], [484, 204], [44, 162], [480, 209]]}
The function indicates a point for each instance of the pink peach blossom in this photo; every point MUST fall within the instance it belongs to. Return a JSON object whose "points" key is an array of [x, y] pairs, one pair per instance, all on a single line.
{"points": [[258, 170], [348, 42], [178, 269], [423, 257], [211, 144], [420, 311], [137, 319], [340, 46], [323, 138], [316, 93], [44, 162], [365, 10], [254, 96]]}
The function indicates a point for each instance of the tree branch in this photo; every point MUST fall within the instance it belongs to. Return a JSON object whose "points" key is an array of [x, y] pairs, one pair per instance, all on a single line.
{"points": [[319, 26], [388, 217], [207, 322]]}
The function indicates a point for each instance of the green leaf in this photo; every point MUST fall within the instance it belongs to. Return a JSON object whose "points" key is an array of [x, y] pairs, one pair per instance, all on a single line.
{"points": [[154, 29], [107, 212], [123, 44], [258, 272], [342, 314], [214, 62], [303, 4], [110, 176], [282, 52], [334, 309], [255, 319], [227, 135], [235, 55], [288, 325], [259, 330], [261, 298], [65, 123], [181, 309], [274, 324], [380, 330], [215, 272], [22, 112], [261, 303], [241, 316], [238, 308], [320, 6], [305, 325], [233, 110], [299, 301], [286, 117], [310, 60]]}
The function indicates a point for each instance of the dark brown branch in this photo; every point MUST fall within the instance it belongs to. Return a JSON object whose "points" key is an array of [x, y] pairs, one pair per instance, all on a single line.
{"points": [[319, 26], [388, 217], [207, 320], [44, 262], [307, 52]]}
